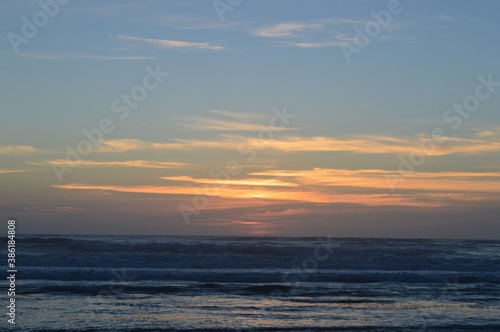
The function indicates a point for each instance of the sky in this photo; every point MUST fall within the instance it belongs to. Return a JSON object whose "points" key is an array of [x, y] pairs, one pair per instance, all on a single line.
{"points": [[251, 118]]}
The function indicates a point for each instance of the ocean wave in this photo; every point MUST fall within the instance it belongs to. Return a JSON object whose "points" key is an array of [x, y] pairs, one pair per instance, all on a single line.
{"points": [[259, 253], [287, 276]]}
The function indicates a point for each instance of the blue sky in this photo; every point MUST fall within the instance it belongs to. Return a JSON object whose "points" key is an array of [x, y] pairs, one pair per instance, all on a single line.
{"points": [[354, 120]]}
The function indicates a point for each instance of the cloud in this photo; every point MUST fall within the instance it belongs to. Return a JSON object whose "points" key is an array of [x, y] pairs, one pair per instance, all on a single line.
{"points": [[325, 186], [121, 145], [371, 106], [129, 163], [486, 182], [52, 209], [263, 193], [236, 115], [90, 57], [340, 20], [382, 144], [3, 170], [331, 32], [164, 43], [357, 144], [490, 132], [444, 18], [447, 18], [472, 19], [470, 146], [360, 145], [239, 182], [18, 149], [338, 39], [486, 133], [315, 44], [280, 214], [285, 29], [200, 123]]}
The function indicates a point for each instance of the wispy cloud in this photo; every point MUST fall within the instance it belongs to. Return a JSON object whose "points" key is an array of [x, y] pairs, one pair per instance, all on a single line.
{"points": [[175, 44], [383, 144], [358, 144], [484, 134], [239, 182], [279, 214], [489, 132], [18, 149], [372, 106], [200, 123], [268, 193], [331, 32], [337, 39], [447, 18], [129, 163], [52, 209], [444, 18], [315, 44], [236, 115], [487, 182], [3, 170], [121, 145], [320, 185], [285, 29]]}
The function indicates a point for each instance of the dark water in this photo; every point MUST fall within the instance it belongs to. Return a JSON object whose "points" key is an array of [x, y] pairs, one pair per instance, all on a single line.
{"points": [[120, 283]]}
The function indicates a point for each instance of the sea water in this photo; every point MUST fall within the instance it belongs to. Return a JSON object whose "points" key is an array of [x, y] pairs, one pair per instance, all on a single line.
{"points": [[125, 283]]}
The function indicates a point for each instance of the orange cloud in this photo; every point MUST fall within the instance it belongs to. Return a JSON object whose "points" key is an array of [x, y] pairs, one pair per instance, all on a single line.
{"points": [[129, 163], [358, 144], [2, 170], [121, 145], [265, 193], [378, 144], [243, 182], [279, 214], [17, 149], [439, 181]]}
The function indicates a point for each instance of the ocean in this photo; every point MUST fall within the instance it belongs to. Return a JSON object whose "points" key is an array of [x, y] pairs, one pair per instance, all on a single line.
{"points": [[179, 283]]}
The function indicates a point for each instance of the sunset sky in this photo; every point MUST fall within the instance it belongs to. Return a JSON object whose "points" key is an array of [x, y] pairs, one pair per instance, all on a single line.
{"points": [[253, 117]]}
